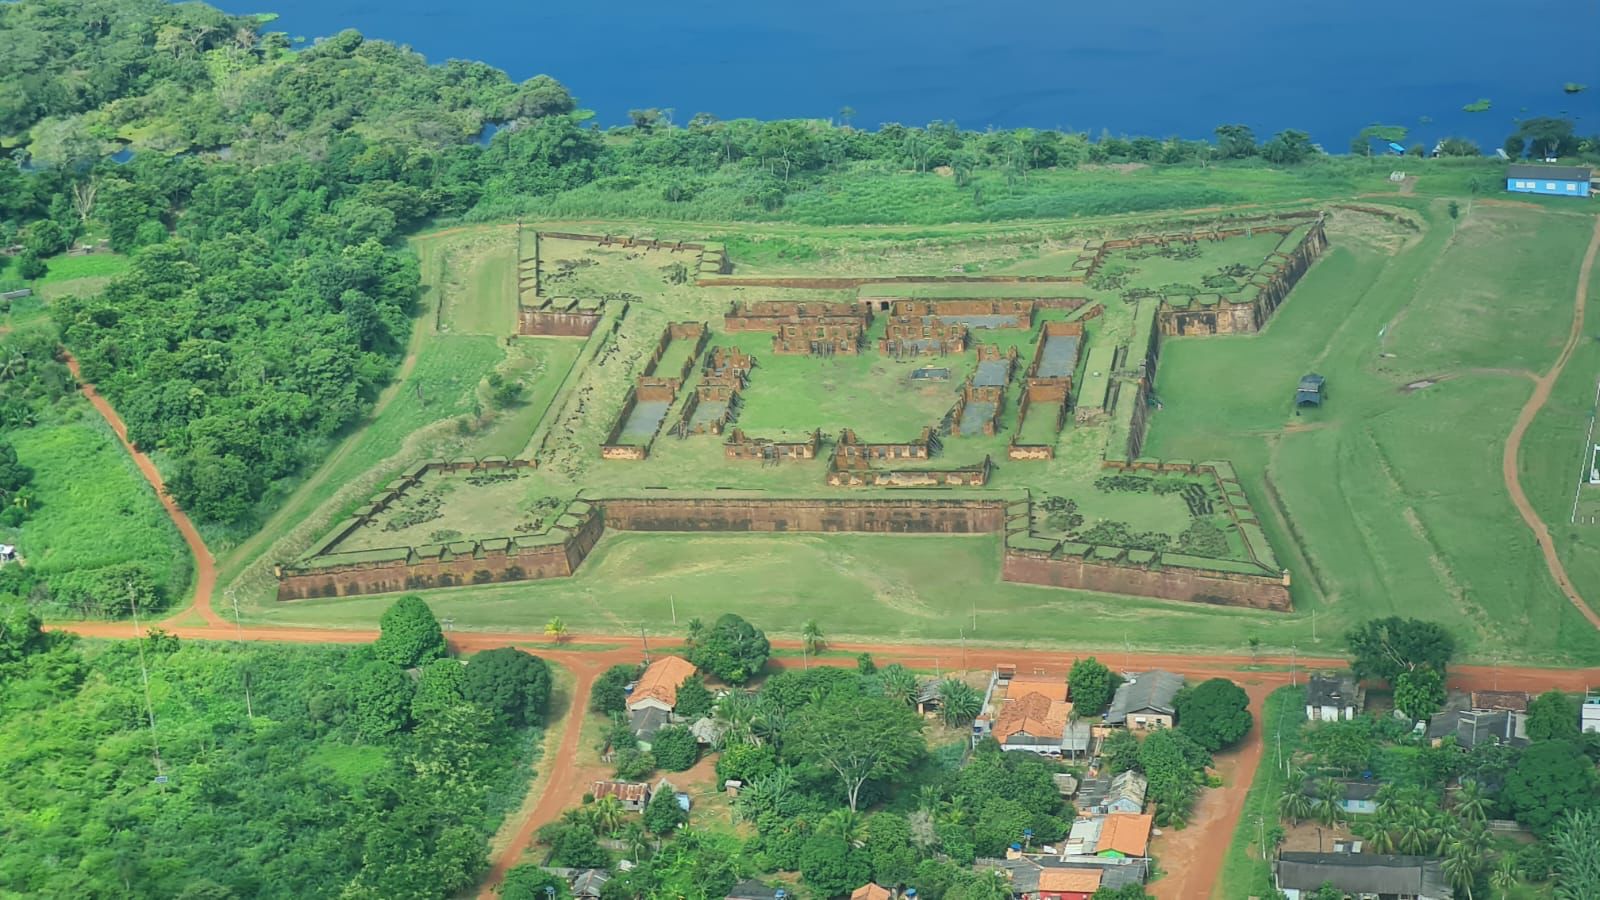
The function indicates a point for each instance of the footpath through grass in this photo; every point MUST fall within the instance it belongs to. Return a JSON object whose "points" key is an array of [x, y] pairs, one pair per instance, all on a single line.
{"points": [[1247, 870]]}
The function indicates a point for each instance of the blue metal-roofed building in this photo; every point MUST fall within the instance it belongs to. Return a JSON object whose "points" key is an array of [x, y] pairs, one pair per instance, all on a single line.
{"points": [[1560, 181]]}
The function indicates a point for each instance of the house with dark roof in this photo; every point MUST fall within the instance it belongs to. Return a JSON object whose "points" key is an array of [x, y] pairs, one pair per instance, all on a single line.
{"points": [[755, 890], [1471, 727], [1511, 701], [1311, 390], [1356, 796], [1331, 696], [1366, 875], [1559, 181], [1145, 700], [645, 722]]}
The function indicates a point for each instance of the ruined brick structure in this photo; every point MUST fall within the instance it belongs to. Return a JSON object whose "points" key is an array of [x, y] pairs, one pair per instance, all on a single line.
{"points": [[802, 329], [993, 313], [559, 318], [741, 446], [922, 336], [654, 389], [1169, 583], [1248, 311], [882, 515], [850, 452]]}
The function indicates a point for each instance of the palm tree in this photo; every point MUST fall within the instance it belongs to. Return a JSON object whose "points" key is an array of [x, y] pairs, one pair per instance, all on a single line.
{"points": [[1461, 867], [930, 799], [1331, 793], [1388, 798], [1379, 833], [847, 824], [736, 712], [556, 629], [1470, 802], [811, 637], [959, 702], [697, 630], [1294, 805], [1506, 875], [1412, 831], [898, 683], [991, 885], [607, 815]]}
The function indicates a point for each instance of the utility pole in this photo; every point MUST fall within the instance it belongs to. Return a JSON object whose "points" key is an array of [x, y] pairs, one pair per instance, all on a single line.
{"points": [[144, 676], [673, 601], [238, 630], [646, 639], [1314, 627], [1294, 672]]}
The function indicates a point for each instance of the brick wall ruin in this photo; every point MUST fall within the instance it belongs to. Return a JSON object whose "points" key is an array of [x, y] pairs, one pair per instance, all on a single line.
{"points": [[1196, 586], [1271, 283], [869, 515], [559, 318], [1003, 313], [802, 329], [922, 336], [742, 446]]}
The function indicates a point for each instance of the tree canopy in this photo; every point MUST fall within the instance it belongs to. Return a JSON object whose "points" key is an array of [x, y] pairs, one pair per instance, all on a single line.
{"points": [[732, 650], [1092, 686], [1551, 778], [509, 683], [858, 738], [1383, 648], [1215, 713], [408, 633]]}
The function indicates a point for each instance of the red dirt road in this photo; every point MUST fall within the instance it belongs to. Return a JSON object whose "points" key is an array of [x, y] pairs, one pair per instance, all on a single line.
{"points": [[205, 570], [1543, 385]]}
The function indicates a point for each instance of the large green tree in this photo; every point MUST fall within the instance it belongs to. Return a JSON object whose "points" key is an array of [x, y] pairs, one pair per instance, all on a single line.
{"points": [[1092, 686], [1383, 648], [408, 633], [1419, 693], [20, 633], [609, 693], [858, 738], [1553, 716], [509, 683], [1552, 778], [1215, 713], [382, 694], [675, 748], [732, 650]]}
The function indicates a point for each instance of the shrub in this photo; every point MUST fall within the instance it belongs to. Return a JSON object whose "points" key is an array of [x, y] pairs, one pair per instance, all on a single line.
{"points": [[675, 748]]}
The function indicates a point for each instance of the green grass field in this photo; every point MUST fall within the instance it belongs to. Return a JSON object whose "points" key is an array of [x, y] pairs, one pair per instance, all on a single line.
{"points": [[1387, 500], [93, 507]]}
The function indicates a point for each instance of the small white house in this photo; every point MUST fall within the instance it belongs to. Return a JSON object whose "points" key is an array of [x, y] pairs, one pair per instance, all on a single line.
{"points": [[1331, 696], [8, 553], [1590, 716]]}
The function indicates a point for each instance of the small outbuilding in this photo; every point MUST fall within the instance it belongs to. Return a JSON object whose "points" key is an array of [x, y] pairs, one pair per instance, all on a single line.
{"points": [[1312, 389], [1558, 181]]}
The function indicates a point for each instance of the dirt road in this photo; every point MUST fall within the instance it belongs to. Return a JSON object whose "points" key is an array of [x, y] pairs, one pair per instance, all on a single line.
{"points": [[1543, 385], [205, 569]]}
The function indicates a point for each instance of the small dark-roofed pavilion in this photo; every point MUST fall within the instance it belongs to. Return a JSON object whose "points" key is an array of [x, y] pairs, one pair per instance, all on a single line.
{"points": [[1310, 392]]}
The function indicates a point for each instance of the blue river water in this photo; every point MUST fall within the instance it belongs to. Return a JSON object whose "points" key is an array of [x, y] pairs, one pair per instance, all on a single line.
{"points": [[1158, 67]]}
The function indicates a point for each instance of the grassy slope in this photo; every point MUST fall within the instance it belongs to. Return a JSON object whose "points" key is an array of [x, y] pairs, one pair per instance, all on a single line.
{"points": [[93, 507], [1396, 498]]}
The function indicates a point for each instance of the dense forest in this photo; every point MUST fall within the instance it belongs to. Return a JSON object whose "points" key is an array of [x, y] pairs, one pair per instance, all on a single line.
{"points": [[160, 768], [270, 188]]}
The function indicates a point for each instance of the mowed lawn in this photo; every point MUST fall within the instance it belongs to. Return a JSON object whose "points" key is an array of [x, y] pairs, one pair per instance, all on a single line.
{"points": [[92, 507], [859, 586], [1390, 500]]}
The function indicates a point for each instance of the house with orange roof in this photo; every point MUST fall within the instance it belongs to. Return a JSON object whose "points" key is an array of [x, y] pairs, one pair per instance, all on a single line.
{"points": [[1052, 686], [658, 687], [1035, 722], [1066, 884], [871, 891], [1113, 836]]}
